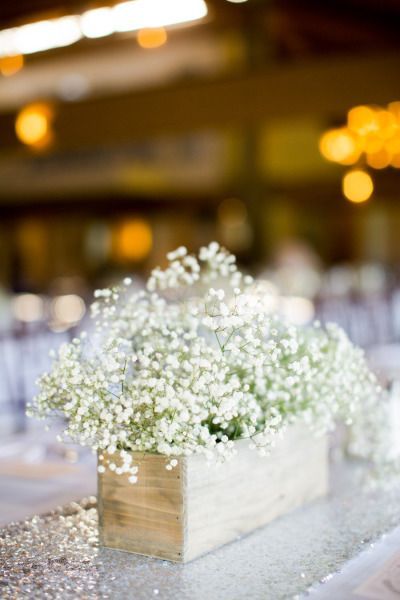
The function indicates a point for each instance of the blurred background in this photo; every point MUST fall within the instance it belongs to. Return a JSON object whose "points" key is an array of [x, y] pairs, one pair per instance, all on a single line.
{"points": [[130, 128]]}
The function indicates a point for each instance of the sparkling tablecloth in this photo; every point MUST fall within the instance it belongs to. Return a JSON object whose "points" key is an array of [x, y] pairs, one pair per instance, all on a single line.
{"points": [[57, 555]]}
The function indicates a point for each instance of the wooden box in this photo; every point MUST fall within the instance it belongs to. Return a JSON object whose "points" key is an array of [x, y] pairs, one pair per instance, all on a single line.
{"points": [[181, 514]]}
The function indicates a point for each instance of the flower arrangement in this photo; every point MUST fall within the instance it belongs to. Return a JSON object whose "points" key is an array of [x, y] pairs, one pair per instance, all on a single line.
{"points": [[193, 363]]}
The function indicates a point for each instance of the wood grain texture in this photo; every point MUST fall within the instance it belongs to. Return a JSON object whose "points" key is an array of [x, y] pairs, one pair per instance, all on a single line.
{"points": [[184, 513], [146, 517], [224, 502]]}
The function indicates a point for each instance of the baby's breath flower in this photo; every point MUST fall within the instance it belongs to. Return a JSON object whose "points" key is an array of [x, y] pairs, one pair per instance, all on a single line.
{"points": [[191, 375]]}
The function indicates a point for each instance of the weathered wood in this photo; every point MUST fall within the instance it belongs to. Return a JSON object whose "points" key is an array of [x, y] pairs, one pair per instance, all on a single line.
{"points": [[146, 517], [183, 513]]}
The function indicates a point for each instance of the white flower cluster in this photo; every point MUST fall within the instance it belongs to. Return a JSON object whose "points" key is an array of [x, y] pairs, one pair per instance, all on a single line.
{"points": [[193, 363]]}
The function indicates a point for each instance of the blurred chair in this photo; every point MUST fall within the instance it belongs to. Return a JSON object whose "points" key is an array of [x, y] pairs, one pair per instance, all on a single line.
{"points": [[24, 356]]}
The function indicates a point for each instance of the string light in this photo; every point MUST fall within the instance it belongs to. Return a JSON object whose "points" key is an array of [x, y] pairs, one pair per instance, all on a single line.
{"points": [[142, 14], [371, 132], [99, 22], [39, 36]]}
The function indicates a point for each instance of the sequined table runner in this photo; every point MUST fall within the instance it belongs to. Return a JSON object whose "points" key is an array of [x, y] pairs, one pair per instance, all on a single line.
{"points": [[57, 555]]}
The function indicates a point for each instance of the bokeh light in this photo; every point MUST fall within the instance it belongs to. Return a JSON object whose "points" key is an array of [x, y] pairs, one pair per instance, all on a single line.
{"points": [[33, 125], [379, 160], [152, 38], [68, 309], [9, 65], [40, 36], [28, 308], [97, 23], [134, 240], [297, 310], [387, 124], [357, 186], [394, 108], [141, 14], [362, 120], [339, 145], [395, 161], [392, 145], [373, 134], [372, 143]]}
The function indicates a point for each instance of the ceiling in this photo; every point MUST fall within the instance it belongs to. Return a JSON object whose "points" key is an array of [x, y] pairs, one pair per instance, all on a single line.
{"points": [[245, 65], [295, 27]]}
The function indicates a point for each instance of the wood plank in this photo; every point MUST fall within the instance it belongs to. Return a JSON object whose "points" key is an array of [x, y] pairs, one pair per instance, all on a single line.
{"points": [[250, 491], [145, 517], [196, 507]]}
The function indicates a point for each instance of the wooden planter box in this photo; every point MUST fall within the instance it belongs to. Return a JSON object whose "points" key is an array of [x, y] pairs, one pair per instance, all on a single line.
{"points": [[181, 514]]}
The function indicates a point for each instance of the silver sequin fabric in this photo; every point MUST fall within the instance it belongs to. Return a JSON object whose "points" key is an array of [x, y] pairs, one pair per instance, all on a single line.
{"points": [[57, 556]]}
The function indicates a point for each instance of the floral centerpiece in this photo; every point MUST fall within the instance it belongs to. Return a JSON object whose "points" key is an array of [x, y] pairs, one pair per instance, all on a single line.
{"points": [[193, 363]]}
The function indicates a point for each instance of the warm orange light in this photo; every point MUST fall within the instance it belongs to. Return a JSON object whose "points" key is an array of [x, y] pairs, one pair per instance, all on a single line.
{"points": [[387, 124], [32, 125], [362, 120], [339, 145], [394, 108], [357, 186], [379, 160], [372, 143], [372, 132], [9, 65], [135, 240], [392, 145], [152, 38], [395, 161]]}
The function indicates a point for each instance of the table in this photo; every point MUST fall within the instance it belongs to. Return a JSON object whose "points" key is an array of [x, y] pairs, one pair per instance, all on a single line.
{"points": [[57, 555], [37, 474]]}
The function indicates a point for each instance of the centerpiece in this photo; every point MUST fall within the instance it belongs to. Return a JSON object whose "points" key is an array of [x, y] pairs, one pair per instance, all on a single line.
{"points": [[209, 415]]}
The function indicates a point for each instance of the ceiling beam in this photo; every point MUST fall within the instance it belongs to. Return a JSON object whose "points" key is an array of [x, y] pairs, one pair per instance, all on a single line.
{"points": [[323, 87]]}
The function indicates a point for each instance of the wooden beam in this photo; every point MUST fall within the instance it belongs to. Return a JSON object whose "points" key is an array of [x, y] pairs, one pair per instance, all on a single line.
{"points": [[324, 87]]}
